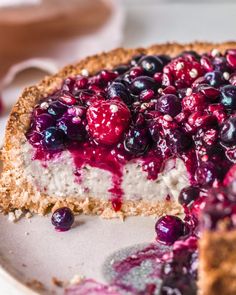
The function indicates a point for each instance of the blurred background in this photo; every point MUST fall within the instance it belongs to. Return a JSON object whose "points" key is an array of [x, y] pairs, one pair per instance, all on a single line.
{"points": [[40, 36]]}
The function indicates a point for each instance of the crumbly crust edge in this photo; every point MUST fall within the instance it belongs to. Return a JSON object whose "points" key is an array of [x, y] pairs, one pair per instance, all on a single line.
{"points": [[217, 262], [15, 191]]}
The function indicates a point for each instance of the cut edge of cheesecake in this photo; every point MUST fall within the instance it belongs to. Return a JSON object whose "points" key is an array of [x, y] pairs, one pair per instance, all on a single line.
{"points": [[217, 268], [17, 193]]}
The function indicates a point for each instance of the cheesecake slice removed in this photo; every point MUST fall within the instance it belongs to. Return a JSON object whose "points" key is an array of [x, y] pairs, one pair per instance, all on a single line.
{"points": [[118, 134]]}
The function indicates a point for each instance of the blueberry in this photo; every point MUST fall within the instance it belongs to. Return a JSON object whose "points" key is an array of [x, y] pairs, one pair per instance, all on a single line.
{"points": [[54, 138], [228, 132], [143, 83], [63, 219], [190, 52], [179, 141], [169, 104], [136, 59], [118, 89], [215, 78], [207, 173], [43, 122], [137, 141], [72, 129], [57, 109], [68, 84], [121, 69], [220, 64], [169, 228], [126, 79], [188, 194], [164, 58], [228, 97], [151, 64], [182, 92]]}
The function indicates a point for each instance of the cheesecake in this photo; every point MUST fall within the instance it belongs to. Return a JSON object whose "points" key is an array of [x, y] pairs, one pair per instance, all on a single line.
{"points": [[135, 132], [117, 134]]}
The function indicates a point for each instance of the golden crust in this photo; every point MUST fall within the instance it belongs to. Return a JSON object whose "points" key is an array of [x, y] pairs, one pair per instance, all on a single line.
{"points": [[217, 271], [15, 191]]}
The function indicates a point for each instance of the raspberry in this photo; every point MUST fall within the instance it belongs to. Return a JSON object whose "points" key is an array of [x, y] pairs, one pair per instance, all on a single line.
{"points": [[107, 121], [194, 102]]}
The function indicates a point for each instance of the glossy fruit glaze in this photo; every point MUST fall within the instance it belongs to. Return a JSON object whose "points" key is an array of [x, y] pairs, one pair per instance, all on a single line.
{"points": [[151, 109]]}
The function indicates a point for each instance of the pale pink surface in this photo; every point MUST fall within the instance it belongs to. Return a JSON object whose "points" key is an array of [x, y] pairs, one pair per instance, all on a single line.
{"points": [[90, 287]]}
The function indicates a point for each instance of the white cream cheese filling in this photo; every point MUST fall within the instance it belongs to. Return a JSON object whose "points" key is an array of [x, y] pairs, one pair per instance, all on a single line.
{"points": [[57, 178]]}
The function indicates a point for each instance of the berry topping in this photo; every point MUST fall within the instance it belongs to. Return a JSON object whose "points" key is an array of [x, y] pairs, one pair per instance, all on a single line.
{"points": [[57, 109], [146, 95], [121, 69], [134, 61], [184, 70], [228, 132], [179, 141], [228, 97], [151, 64], [63, 219], [209, 91], [169, 228], [206, 63], [143, 83], [118, 90], [35, 139], [194, 102], [231, 59], [188, 195], [73, 127], [215, 78], [54, 139], [169, 104], [232, 79], [107, 121], [164, 58], [230, 176], [220, 64], [137, 141], [207, 173], [67, 98], [68, 84], [43, 122]]}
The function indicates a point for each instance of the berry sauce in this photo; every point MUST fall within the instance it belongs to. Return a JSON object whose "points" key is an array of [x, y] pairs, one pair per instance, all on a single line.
{"points": [[147, 270], [151, 109]]}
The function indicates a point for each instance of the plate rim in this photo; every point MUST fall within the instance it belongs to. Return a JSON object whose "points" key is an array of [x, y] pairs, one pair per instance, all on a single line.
{"points": [[16, 284]]}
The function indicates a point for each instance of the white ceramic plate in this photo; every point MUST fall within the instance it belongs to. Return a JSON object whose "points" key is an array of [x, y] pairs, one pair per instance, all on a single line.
{"points": [[32, 250]]}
